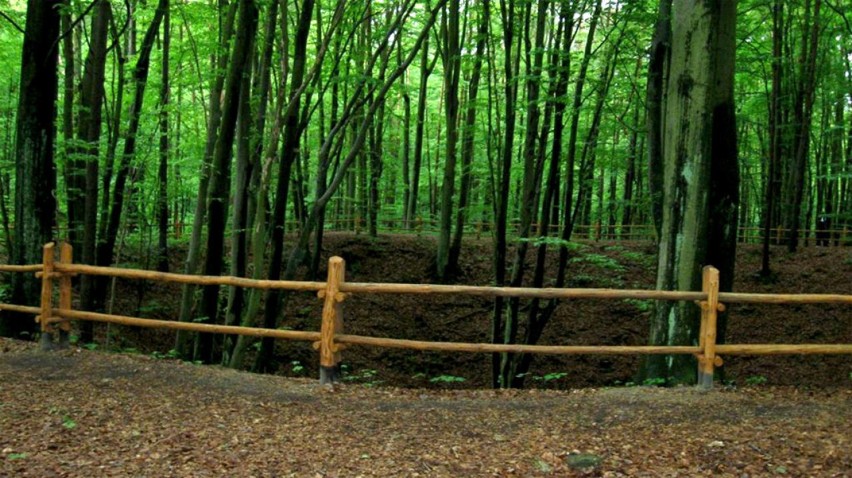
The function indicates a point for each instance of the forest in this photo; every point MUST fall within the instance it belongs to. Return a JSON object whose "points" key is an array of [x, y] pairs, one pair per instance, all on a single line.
{"points": [[245, 130]]}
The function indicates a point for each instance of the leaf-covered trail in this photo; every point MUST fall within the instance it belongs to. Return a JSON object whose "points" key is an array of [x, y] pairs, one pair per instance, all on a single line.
{"points": [[81, 413]]}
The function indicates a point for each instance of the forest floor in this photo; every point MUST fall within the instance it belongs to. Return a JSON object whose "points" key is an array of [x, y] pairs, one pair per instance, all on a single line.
{"points": [[80, 413], [621, 265]]}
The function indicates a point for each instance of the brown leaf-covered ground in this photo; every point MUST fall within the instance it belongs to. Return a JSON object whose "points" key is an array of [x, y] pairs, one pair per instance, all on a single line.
{"points": [[93, 414]]}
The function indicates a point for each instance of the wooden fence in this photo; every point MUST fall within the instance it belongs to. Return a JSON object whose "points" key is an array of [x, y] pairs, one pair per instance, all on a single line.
{"points": [[331, 340]]}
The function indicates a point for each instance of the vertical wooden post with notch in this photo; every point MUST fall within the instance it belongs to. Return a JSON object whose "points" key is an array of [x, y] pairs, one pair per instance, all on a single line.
{"points": [[46, 340], [709, 314], [66, 256], [332, 321]]}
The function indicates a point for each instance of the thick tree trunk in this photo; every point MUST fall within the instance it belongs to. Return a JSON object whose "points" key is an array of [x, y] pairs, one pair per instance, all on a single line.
{"points": [[700, 176], [35, 174]]}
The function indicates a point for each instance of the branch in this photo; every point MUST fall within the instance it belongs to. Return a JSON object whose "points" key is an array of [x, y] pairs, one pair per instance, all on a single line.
{"points": [[116, 33], [74, 24], [12, 21]]}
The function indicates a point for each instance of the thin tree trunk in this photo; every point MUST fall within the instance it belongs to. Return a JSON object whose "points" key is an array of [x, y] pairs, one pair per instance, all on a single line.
{"points": [[187, 299], [655, 99], [803, 117], [89, 134], [220, 172], [452, 67], [468, 135], [289, 154], [163, 173]]}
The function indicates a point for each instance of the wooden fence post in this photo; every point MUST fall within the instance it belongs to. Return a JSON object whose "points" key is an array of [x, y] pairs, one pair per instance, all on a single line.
{"points": [[709, 313], [66, 256], [332, 321], [46, 341]]}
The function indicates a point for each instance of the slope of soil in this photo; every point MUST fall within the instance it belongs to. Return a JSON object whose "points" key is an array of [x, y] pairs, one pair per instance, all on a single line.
{"points": [[81, 414], [409, 259]]}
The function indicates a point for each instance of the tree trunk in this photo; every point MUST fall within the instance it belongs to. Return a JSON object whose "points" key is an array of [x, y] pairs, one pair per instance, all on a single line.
{"points": [[802, 119], [773, 184], [425, 71], [89, 135], [468, 136], [504, 166], [220, 172], [289, 154], [35, 175], [655, 99], [163, 172], [187, 298], [701, 176], [452, 71]]}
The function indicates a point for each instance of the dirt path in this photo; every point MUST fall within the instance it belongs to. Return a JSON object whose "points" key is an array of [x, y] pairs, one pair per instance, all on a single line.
{"points": [[81, 413]]}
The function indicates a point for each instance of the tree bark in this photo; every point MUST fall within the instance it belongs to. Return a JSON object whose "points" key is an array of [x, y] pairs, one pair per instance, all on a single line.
{"points": [[35, 174], [220, 172], [655, 99], [700, 176], [163, 170], [452, 67], [187, 300], [89, 135]]}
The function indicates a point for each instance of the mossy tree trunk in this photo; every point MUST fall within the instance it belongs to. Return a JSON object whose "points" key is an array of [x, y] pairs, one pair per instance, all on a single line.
{"points": [[700, 175]]}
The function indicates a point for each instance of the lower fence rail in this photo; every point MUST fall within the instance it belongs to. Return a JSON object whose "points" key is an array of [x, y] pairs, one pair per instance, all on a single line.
{"points": [[331, 340]]}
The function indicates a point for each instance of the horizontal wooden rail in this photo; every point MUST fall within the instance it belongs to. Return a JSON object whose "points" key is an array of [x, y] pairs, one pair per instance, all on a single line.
{"points": [[783, 349], [26, 268], [523, 292], [187, 278], [64, 314], [748, 298], [514, 348], [20, 308]]}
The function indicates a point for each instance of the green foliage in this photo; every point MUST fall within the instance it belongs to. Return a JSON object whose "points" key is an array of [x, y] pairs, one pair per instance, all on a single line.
{"points": [[366, 377], [600, 260], [446, 379], [68, 423], [171, 354], [550, 377], [756, 380], [552, 241], [90, 346], [152, 307], [297, 367], [643, 305], [16, 456]]}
